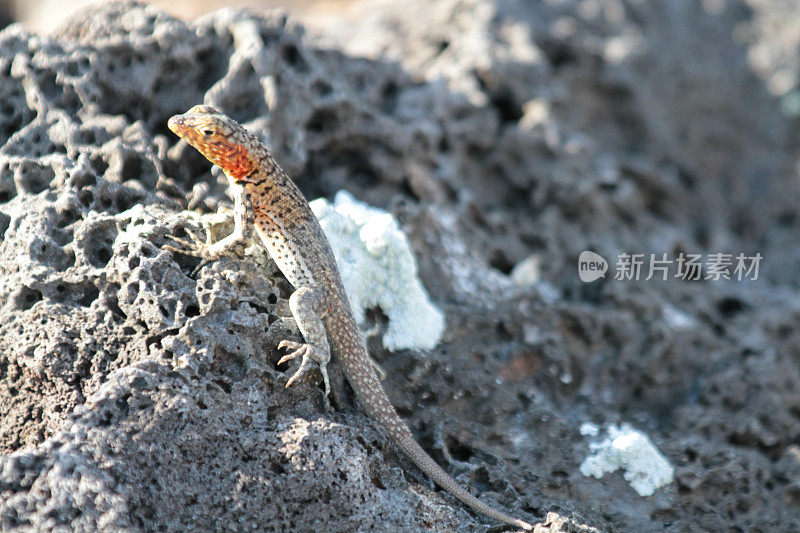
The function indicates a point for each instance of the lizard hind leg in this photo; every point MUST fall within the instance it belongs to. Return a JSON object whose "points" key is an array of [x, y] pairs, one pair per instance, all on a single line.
{"points": [[309, 305]]}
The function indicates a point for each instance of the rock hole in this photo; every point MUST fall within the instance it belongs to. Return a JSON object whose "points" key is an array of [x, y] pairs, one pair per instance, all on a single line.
{"points": [[98, 164], [508, 109], [104, 255], [389, 98], [49, 86], [27, 298], [90, 294], [83, 179], [560, 54], [322, 88], [113, 305], [5, 221], [730, 306], [60, 237], [127, 199], [322, 121], [131, 167], [224, 385], [87, 137], [67, 216], [277, 468], [293, 56], [33, 178], [167, 309], [86, 197], [499, 260]]}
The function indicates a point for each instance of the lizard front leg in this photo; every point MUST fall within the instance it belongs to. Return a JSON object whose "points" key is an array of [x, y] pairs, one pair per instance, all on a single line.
{"points": [[309, 306], [233, 244]]}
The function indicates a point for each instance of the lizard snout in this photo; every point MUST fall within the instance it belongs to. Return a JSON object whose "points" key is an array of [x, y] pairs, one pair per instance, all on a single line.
{"points": [[175, 122]]}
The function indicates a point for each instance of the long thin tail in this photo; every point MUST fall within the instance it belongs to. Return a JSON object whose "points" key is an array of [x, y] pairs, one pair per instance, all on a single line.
{"points": [[352, 350], [409, 445]]}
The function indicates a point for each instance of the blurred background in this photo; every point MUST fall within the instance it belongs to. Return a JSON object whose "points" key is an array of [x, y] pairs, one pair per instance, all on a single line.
{"points": [[42, 16], [772, 35]]}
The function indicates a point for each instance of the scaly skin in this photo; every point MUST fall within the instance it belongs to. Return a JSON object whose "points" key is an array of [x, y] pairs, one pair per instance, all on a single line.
{"points": [[269, 202]]}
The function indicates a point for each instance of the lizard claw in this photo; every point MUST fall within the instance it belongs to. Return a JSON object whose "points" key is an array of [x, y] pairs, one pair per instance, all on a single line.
{"points": [[195, 246], [309, 353]]}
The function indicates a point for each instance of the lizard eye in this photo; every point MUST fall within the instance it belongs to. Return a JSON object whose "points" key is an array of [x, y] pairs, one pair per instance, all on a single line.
{"points": [[207, 132]]}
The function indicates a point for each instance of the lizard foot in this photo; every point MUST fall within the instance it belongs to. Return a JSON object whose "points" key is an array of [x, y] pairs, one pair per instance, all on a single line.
{"points": [[310, 353], [197, 246]]}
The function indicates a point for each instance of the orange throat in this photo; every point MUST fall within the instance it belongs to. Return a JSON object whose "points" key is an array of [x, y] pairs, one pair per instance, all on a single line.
{"points": [[237, 165]]}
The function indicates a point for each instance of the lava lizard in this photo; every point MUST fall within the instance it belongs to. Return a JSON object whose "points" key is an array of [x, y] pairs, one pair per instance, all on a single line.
{"points": [[268, 201]]}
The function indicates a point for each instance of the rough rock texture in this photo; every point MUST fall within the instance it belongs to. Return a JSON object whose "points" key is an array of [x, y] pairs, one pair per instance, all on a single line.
{"points": [[136, 395]]}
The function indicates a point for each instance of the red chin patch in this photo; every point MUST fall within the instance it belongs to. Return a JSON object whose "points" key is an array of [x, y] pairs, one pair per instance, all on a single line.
{"points": [[239, 166]]}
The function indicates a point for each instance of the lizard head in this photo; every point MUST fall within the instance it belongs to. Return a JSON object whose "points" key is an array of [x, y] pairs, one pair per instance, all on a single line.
{"points": [[220, 139]]}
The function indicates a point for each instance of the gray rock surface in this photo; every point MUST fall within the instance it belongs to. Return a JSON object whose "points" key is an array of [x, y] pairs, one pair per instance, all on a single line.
{"points": [[136, 395]]}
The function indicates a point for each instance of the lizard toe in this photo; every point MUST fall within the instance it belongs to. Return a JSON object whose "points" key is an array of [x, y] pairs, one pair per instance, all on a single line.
{"points": [[297, 350], [310, 354]]}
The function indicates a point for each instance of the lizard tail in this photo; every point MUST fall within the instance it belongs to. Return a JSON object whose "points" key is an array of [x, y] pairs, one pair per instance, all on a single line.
{"points": [[429, 466], [352, 351]]}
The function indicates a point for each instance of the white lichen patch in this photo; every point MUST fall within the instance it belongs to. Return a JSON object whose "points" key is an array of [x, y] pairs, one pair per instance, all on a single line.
{"points": [[589, 429], [645, 468], [379, 270]]}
